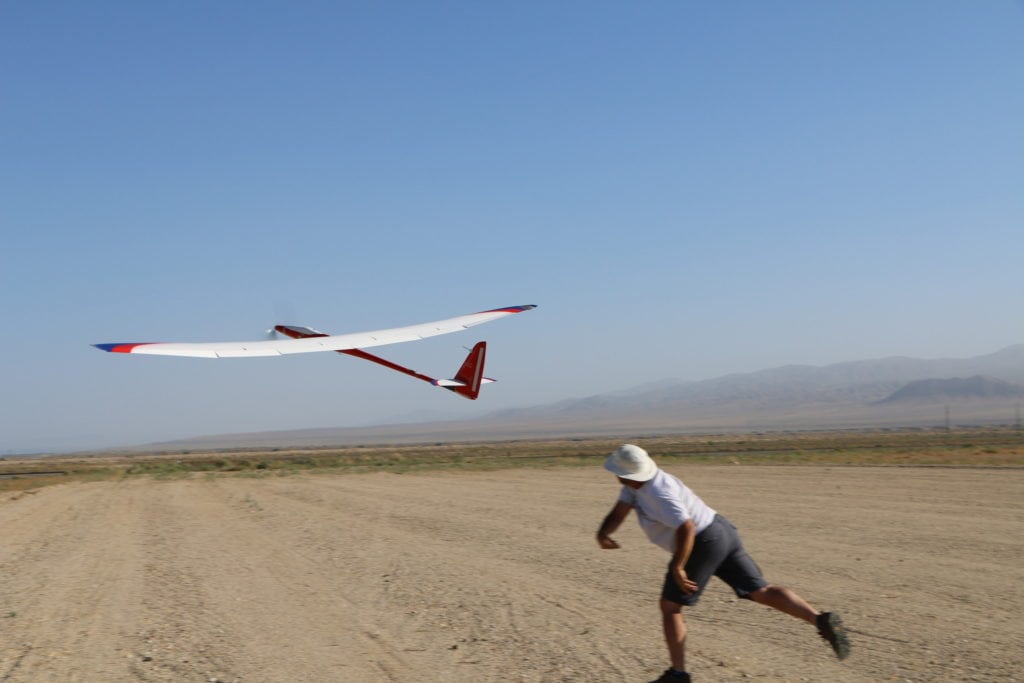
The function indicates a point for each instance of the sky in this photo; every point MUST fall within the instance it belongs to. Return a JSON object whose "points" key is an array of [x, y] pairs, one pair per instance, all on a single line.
{"points": [[684, 189]]}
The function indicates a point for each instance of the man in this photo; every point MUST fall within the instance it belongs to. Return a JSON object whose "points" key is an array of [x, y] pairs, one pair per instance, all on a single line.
{"points": [[703, 544]]}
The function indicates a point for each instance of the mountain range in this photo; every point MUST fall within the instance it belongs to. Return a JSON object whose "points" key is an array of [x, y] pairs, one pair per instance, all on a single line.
{"points": [[883, 393], [955, 389]]}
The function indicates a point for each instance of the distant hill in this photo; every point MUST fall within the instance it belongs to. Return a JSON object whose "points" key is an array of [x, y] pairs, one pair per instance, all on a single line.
{"points": [[887, 392], [788, 388], [955, 389]]}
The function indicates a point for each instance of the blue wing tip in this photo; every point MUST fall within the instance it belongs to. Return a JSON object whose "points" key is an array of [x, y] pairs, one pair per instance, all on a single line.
{"points": [[120, 347]]}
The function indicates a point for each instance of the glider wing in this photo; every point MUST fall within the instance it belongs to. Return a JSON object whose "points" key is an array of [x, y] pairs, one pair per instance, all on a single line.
{"points": [[315, 341]]}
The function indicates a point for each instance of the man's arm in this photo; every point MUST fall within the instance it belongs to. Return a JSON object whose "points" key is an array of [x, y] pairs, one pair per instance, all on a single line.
{"points": [[611, 522], [685, 535]]}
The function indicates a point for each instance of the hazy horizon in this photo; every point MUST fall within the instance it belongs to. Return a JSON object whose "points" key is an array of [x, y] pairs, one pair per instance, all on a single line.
{"points": [[430, 416]]}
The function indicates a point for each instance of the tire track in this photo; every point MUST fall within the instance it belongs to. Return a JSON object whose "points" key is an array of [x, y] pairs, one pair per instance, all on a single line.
{"points": [[242, 571], [472, 599], [73, 611]]}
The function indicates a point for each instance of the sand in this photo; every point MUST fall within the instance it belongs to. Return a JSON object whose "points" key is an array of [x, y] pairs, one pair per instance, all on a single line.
{"points": [[495, 576]]}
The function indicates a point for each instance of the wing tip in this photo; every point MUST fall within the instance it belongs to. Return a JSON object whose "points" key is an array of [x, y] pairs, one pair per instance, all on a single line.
{"points": [[118, 347], [512, 309]]}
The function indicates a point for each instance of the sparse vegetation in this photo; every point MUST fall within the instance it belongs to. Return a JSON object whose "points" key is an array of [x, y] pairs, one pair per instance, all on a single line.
{"points": [[993, 447]]}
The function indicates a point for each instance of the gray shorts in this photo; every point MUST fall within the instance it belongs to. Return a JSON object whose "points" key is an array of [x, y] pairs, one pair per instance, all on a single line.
{"points": [[717, 551]]}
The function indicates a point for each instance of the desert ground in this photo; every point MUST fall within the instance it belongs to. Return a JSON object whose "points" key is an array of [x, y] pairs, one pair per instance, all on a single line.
{"points": [[495, 576]]}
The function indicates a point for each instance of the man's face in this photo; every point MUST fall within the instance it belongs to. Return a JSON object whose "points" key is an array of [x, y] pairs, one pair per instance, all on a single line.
{"points": [[630, 483]]}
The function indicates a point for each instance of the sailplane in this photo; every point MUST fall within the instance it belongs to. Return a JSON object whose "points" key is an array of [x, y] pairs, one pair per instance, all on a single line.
{"points": [[299, 339]]}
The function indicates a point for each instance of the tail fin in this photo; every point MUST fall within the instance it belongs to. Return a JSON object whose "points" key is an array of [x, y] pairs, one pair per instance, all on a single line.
{"points": [[471, 375]]}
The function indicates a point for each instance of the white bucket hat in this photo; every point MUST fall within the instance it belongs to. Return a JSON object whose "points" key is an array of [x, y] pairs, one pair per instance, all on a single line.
{"points": [[631, 462]]}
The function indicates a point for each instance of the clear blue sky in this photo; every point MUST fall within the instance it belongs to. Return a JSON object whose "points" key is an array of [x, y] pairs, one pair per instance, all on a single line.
{"points": [[686, 189]]}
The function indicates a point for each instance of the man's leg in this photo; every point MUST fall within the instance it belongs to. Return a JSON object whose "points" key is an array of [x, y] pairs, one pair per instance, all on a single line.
{"points": [[708, 552], [785, 600], [829, 625], [674, 625], [741, 572]]}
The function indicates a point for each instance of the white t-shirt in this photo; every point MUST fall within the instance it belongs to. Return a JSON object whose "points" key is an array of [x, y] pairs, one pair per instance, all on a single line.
{"points": [[663, 504]]}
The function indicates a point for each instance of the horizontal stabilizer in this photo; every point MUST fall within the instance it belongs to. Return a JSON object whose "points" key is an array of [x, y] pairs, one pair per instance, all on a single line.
{"points": [[299, 332], [456, 383]]}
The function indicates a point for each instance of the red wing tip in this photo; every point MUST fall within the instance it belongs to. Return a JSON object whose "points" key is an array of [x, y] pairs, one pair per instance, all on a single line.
{"points": [[512, 309], [119, 348]]}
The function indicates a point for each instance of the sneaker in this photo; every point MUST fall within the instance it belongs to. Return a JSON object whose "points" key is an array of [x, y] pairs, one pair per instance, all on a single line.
{"points": [[830, 627], [671, 676]]}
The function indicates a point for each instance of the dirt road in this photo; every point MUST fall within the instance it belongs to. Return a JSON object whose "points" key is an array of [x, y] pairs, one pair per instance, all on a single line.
{"points": [[496, 577]]}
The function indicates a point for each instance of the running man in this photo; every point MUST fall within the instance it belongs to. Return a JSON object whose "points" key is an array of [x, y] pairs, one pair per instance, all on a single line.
{"points": [[703, 544]]}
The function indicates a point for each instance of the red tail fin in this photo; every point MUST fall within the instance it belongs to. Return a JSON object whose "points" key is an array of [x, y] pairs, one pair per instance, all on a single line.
{"points": [[471, 374]]}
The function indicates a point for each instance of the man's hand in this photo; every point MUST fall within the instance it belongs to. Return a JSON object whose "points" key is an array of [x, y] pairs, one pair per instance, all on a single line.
{"points": [[611, 523], [685, 536], [683, 581]]}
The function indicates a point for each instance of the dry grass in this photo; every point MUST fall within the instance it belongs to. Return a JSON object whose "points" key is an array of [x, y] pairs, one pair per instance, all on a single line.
{"points": [[994, 447]]}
